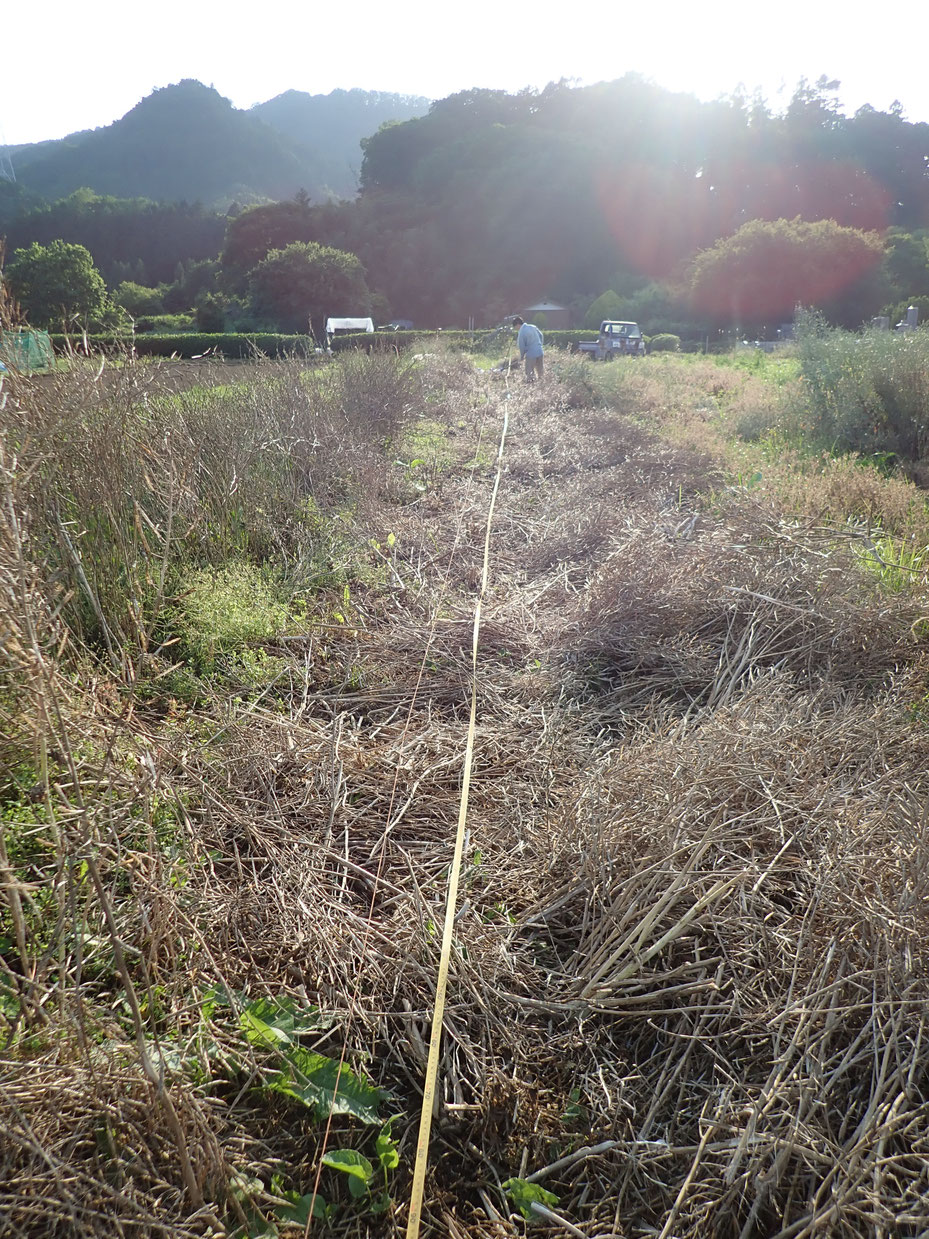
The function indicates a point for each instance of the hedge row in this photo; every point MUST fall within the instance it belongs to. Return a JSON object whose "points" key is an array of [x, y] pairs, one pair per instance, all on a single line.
{"points": [[245, 344], [193, 344], [469, 341], [378, 340], [501, 342]]}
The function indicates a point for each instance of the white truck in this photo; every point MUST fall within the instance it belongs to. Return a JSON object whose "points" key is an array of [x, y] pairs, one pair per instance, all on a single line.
{"points": [[616, 339]]}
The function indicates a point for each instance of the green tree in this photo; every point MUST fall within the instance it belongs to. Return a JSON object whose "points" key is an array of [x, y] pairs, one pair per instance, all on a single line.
{"points": [[907, 264], [254, 233], [57, 285], [137, 300], [758, 275], [897, 312], [303, 283], [661, 308], [211, 312], [607, 305], [191, 281]]}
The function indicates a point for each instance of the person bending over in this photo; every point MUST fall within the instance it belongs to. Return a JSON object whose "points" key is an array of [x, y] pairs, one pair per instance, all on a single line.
{"points": [[529, 342]]}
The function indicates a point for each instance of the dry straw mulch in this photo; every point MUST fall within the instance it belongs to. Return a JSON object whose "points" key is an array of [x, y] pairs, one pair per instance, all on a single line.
{"points": [[689, 984]]}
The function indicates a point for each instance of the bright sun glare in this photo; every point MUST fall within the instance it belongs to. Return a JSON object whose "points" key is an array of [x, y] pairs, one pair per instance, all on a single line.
{"points": [[91, 73]]}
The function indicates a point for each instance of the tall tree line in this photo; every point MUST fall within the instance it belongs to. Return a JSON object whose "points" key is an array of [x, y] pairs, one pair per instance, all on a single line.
{"points": [[491, 200]]}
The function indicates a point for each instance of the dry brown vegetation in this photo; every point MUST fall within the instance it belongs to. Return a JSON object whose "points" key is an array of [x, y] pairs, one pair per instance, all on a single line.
{"points": [[689, 982]]}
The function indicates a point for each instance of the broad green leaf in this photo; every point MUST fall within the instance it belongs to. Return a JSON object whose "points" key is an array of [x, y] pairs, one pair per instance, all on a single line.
{"points": [[312, 1079], [274, 1023], [262, 1229], [357, 1188], [523, 1194], [244, 1186], [166, 1058], [300, 1207], [387, 1152], [214, 998], [256, 1226], [355, 1165]]}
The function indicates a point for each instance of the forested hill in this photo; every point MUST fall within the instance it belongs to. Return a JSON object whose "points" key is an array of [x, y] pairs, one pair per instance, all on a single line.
{"points": [[333, 126], [187, 143], [544, 194]]}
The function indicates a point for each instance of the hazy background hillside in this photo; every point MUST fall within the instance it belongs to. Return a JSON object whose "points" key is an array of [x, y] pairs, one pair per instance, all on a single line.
{"points": [[187, 143], [333, 126]]}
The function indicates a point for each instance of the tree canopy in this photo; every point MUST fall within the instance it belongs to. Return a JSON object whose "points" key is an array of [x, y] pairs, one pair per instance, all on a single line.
{"points": [[564, 192], [607, 305], [252, 235], [762, 272], [149, 237], [304, 283]]}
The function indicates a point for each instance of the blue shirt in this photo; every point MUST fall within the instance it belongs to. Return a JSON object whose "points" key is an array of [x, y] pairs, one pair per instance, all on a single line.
{"points": [[529, 341]]}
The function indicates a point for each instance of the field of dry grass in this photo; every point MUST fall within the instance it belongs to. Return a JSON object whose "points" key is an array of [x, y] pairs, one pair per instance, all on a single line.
{"points": [[689, 976]]}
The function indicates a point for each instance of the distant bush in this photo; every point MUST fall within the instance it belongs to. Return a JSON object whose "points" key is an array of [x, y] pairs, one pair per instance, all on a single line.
{"points": [[277, 344], [390, 340], [210, 313], [138, 300], [569, 339], [664, 342], [713, 344], [489, 340], [494, 340], [867, 393], [897, 313]]}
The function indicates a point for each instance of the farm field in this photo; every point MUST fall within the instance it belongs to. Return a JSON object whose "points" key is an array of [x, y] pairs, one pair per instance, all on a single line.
{"points": [[689, 972]]}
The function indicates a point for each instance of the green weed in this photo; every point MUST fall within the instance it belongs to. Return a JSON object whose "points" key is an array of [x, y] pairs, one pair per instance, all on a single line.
{"points": [[299, 1209], [524, 1195], [224, 610], [867, 393], [897, 565], [575, 1111], [426, 449], [320, 1083], [368, 1184]]}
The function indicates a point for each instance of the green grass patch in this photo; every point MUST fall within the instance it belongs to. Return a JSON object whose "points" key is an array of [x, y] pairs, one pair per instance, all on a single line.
{"points": [[427, 444], [777, 368]]}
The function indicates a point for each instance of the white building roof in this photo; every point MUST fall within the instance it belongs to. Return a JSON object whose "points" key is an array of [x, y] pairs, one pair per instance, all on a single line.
{"points": [[349, 324]]}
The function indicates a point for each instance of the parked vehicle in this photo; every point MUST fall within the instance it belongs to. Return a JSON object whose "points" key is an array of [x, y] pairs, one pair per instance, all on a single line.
{"points": [[616, 339]]}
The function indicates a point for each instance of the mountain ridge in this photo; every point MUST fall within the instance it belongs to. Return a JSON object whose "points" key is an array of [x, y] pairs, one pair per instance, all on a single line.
{"points": [[186, 142]]}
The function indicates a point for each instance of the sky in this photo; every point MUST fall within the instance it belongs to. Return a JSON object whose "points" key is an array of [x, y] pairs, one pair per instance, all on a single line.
{"points": [[79, 67]]}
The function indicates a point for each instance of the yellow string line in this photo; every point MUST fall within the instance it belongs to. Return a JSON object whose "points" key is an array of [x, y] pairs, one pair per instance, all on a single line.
{"points": [[438, 1013]]}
